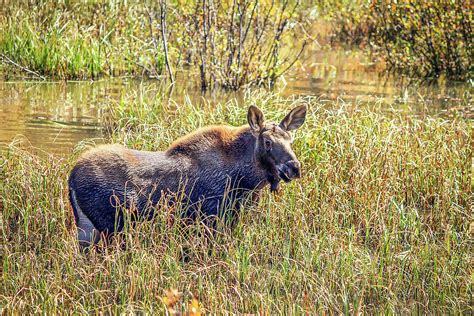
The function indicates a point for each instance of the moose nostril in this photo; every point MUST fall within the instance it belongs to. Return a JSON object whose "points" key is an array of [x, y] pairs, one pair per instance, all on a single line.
{"points": [[294, 166], [296, 171]]}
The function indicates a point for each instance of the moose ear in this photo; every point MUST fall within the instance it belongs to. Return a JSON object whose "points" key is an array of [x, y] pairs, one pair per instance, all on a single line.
{"points": [[255, 119], [294, 119]]}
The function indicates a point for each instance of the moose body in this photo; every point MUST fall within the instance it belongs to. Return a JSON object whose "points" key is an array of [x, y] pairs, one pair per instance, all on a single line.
{"points": [[212, 170]]}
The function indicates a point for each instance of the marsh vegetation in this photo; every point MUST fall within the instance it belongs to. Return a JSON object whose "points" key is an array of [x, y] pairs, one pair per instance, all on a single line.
{"points": [[381, 220], [229, 43]]}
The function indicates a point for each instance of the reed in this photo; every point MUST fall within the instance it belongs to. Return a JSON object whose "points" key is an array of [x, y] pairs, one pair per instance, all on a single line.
{"points": [[226, 44], [379, 222]]}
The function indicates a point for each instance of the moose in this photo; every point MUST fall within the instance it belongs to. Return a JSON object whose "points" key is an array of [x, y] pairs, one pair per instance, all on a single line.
{"points": [[215, 167]]}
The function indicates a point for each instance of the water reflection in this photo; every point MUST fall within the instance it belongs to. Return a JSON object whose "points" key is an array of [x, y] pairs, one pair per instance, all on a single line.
{"points": [[55, 116], [52, 116], [354, 77]]}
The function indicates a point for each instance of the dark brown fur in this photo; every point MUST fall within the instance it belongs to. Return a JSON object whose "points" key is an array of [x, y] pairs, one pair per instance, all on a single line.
{"points": [[215, 168]]}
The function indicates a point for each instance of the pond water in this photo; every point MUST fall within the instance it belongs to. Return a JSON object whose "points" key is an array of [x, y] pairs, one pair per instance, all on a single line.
{"points": [[55, 116]]}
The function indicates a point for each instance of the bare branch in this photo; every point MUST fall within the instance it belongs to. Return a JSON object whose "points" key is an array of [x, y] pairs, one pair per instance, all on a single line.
{"points": [[9, 61], [164, 37]]}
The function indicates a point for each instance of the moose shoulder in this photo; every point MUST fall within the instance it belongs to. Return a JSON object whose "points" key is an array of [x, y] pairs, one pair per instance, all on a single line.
{"points": [[214, 168]]}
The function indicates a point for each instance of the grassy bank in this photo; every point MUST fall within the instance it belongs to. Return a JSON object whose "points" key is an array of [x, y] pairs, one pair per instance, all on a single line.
{"points": [[379, 222], [228, 44], [77, 40]]}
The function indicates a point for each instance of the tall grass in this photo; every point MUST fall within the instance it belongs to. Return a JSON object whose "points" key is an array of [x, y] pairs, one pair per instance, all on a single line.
{"points": [[78, 40], [228, 43], [50, 54], [379, 222]]}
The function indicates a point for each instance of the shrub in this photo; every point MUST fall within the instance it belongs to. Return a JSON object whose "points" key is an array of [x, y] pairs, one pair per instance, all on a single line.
{"points": [[234, 43], [420, 38]]}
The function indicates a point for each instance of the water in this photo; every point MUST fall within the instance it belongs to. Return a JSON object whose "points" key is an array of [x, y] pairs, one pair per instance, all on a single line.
{"points": [[55, 116], [52, 116]]}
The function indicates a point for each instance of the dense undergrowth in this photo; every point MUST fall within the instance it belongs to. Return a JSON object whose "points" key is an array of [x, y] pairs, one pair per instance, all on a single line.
{"points": [[419, 38], [228, 43], [379, 222]]}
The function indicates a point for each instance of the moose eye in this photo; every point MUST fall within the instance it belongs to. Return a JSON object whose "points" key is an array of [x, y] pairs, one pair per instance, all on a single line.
{"points": [[268, 144]]}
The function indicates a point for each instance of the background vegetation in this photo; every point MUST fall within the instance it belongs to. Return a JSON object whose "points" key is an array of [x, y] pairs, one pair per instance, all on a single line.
{"points": [[379, 222], [419, 38], [229, 43]]}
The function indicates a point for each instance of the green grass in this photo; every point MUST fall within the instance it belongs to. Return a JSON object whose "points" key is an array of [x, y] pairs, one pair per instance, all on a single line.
{"points": [[51, 54], [379, 222], [78, 40], [228, 44]]}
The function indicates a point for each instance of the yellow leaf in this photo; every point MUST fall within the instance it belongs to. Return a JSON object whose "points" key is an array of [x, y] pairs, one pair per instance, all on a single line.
{"points": [[171, 298], [193, 308]]}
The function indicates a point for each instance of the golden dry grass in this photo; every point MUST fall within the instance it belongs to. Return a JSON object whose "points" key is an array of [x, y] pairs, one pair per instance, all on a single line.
{"points": [[379, 222]]}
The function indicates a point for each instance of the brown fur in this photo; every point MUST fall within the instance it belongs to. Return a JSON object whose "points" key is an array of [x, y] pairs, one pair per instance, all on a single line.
{"points": [[219, 137], [216, 166]]}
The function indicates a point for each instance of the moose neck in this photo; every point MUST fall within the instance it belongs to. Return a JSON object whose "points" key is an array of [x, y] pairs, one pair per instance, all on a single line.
{"points": [[238, 148]]}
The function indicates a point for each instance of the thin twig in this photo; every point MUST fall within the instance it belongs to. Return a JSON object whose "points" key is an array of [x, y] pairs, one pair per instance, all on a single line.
{"points": [[164, 38], [155, 45], [9, 61], [294, 60]]}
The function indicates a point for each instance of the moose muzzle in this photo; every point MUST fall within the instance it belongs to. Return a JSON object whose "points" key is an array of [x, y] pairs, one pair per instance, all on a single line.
{"points": [[289, 170]]}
